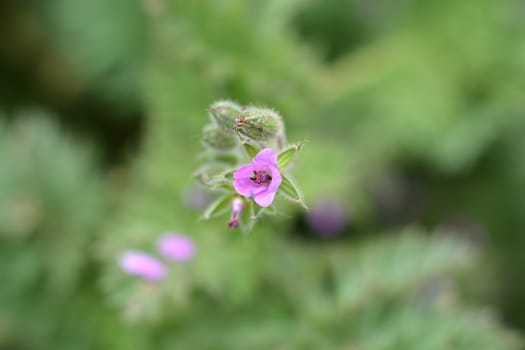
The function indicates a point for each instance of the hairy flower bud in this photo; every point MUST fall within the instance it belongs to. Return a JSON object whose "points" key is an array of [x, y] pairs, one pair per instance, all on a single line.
{"points": [[259, 124], [237, 208], [224, 113], [218, 139]]}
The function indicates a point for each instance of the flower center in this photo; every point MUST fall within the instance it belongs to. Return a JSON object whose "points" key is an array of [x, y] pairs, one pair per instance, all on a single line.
{"points": [[261, 177]]}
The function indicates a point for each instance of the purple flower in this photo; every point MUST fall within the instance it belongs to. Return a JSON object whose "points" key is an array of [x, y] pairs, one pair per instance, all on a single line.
{"points": [[259, 180], [142, 264], [176, 247], [327, 217]]}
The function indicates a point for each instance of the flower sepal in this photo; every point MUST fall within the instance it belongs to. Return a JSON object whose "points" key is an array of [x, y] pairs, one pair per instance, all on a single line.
{"points": [[290, 191], [287, 156], [218, 140], [218, 207], [250, 149], [224, 114], [259, 124]]}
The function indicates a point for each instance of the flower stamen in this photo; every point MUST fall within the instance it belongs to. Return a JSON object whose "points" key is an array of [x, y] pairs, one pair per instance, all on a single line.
{"points": [[261, 177]]}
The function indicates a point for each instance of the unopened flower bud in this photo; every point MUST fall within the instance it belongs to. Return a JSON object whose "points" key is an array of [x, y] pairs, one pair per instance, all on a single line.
{"points": [[237, 208], [259, 124], [218, 139], [224, 113]]}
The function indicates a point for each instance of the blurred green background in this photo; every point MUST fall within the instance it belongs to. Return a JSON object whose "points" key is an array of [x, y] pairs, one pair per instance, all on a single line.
{"points": [[413, 116]]}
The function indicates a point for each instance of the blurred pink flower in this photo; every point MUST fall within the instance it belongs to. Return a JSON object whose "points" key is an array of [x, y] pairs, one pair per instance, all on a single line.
{"points": [[177, 247], [142, 264], [327, 217], [259, 180]]}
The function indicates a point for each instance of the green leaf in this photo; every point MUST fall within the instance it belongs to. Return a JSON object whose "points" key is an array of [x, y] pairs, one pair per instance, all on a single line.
{"points": [[211, 171], [219, 206], [224, 158], [248, 217], [222, 185], [250, 149], [214, 180], [291, 191], [228, 174], [257, 212], [204, 177], [287, 155]]}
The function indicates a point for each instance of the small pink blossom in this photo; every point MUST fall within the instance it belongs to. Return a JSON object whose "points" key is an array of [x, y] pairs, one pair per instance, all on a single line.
{"points": [[176, 247], [259, 180], [142, 264]]}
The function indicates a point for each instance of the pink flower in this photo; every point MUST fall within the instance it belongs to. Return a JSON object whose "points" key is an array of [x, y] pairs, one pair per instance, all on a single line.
{"points": [[259, 180], [176, 247], [141, 264]]}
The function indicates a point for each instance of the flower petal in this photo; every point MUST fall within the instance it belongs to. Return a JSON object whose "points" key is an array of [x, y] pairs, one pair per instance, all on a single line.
{"points": [[246, 187], [243, 187], [244, 172], [276, 179], [267, 156], [264, 199]]}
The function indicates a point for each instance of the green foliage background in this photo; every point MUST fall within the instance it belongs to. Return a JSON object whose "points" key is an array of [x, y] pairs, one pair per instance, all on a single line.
{"points": [[412, 114]]}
